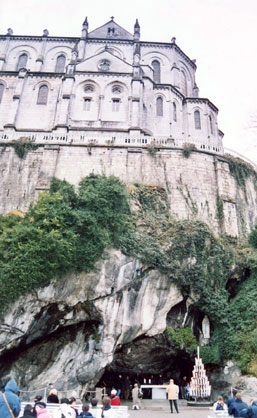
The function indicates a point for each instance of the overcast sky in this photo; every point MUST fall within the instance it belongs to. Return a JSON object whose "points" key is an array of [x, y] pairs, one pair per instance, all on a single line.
{"points": [[220, 34]]}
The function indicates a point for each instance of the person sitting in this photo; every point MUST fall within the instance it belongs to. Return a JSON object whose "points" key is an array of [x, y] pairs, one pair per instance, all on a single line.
{"points": [[251, 411], [219, 405], [28, 411], [37, 398], [238, 407], [64, 410], [115, 400], [85, 412], [52, 397], [41, 410], [72, 403], [107, 411]]}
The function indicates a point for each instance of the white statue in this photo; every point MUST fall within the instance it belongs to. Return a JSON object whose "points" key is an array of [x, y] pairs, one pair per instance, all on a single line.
{"points": [[206, 327]]}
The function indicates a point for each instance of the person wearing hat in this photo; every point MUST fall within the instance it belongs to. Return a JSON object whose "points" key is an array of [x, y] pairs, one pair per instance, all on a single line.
{"points": [[115, 400], [41, 410], [9, 402]]}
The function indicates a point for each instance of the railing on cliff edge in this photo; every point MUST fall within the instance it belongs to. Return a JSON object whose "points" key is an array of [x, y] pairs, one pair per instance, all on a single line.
{"points": [[71, 138]]}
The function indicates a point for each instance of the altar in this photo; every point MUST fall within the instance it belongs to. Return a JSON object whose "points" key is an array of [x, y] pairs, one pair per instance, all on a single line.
{"points": [[158, 391]]}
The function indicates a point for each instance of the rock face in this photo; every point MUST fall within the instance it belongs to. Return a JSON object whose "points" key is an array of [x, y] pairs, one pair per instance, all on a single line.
{"points": [[193, 184], [68, 332], [228, 377]]}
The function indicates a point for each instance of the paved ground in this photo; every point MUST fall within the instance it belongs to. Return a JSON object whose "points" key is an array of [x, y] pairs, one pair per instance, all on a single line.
{"points": [[160, 409]]}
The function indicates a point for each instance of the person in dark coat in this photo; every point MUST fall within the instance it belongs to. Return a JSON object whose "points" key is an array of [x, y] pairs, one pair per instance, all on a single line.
{"points": [[10, 392], [238, 408], [28, 411], [251, 410], [233, 398], [52, 397]]}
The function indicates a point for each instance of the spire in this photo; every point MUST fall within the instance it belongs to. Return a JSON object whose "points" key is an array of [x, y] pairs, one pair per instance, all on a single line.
{"points": [[84, 28], [136, 31]]}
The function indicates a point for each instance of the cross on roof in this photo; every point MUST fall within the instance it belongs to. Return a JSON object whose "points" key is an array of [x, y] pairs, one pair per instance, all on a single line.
{"points": [[112, 17]]}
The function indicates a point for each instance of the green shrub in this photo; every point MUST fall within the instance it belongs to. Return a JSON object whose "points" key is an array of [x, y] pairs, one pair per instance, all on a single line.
{"points": [[210, 354], [240, 169], [182, 339], [188, 149], [62, 231], [23, 145]]}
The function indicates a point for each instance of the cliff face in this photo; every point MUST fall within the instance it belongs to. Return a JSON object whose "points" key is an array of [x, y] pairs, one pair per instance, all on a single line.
{"points": [[193, 184], [68, 332]]}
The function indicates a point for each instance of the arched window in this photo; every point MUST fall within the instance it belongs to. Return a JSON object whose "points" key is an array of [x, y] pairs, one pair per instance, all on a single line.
{"points": [[22, 61], [116, 105], [42, 95], [174, 112], [60, 64], [183, 83], [156, 71], [197, 119], [1, 91], [87, 103], [159, 106], [211, 124]]}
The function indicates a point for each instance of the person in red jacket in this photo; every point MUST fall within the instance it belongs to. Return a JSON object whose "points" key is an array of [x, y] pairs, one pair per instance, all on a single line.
{"points": [[115, 400]]}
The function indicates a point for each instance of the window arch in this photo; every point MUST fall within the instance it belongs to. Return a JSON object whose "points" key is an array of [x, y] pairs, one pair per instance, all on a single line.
{"points": [[22, 61], [211, 124], [42, 95], [1, 91], [60, 64], [156, 71], [174, 112], [197, 117], [159, 106], [183, 83]]}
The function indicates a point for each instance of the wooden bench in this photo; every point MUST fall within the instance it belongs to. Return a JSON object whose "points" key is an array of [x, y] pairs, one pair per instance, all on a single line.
{"points": [[120, 411]]}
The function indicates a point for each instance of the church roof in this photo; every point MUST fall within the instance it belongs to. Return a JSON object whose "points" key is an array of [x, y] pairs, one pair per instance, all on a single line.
{"points": [[110, 30]]}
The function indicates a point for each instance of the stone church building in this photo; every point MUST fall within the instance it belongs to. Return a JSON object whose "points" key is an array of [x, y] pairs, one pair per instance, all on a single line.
{"points": [[107, 82], [109, 103]]}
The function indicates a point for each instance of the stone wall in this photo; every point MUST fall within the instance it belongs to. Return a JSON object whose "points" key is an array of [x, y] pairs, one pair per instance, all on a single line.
{"points": [[193, 184]]}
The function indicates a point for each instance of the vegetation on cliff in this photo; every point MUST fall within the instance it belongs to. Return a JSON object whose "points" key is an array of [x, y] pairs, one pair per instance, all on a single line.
{"points": [[64, 230], [68, 230]]}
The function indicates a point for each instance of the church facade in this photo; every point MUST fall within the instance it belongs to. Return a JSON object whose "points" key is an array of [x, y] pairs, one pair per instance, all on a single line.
{"points": [[105, 84]]}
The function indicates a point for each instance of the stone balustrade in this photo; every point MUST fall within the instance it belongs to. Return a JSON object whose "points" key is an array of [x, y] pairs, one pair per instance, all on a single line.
{"points": [[75, 138]]}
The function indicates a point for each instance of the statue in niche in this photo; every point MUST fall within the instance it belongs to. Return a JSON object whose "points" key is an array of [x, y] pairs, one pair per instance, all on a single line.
{"points": [[206, 327]]}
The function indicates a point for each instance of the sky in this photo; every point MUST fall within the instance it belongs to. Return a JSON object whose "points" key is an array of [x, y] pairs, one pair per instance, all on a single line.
{"points": [[220, 34]]}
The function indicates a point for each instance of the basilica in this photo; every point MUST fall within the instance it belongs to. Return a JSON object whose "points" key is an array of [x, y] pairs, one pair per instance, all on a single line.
{"points": [[107, 83]]}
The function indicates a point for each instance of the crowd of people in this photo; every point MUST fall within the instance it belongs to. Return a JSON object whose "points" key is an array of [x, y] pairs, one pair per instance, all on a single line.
{"points": [[236, 407], [10, 405]]}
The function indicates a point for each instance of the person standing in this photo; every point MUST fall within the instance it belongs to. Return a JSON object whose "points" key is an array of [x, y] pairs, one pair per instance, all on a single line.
{"points": [[10, 404], [135, 397], [126, 385], [173, 392], [115, 400], [233, 398]]}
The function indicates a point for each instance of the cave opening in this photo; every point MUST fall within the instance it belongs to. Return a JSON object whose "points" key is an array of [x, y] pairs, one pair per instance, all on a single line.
{"points": [[147, 361]]}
